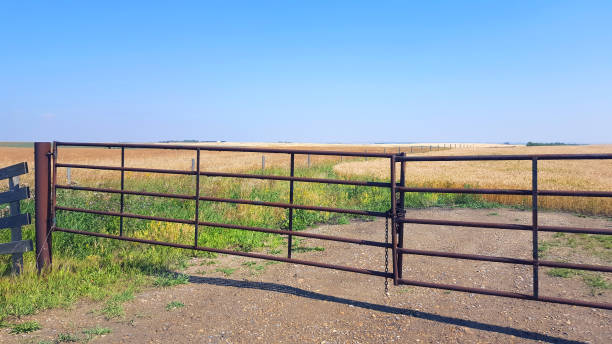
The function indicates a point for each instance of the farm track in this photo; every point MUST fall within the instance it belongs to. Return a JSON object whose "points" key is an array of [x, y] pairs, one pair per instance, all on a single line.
{"points": [[295, 304]]}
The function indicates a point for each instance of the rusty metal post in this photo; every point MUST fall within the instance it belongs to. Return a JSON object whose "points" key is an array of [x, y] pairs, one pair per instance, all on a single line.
{"points": [[42, 177], [400, 258], [290, 238], [122, 197], [534, 223], [394, 221]]}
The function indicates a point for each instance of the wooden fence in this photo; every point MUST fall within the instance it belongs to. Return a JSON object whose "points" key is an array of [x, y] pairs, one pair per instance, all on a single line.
{"points": [[15, 218]]}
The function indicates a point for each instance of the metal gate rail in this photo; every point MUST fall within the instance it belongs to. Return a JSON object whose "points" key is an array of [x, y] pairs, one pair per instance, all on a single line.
{"points": [[396, 213]]}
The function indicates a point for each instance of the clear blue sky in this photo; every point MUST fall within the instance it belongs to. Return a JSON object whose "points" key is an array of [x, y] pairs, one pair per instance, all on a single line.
{"points": [[310, 71]]}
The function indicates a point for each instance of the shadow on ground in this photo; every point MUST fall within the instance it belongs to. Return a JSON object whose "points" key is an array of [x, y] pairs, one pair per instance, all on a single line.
{"points": [[280, 288]]}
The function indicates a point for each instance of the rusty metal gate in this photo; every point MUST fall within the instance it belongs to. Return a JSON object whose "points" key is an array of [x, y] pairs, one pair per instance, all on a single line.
{"points": [[47, 162]]}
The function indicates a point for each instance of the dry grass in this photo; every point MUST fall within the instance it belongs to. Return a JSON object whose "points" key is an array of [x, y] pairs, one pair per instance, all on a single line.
{"points": [[553, 175]]}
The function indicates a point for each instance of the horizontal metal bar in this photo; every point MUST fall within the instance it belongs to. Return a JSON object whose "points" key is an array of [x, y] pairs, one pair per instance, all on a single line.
{"points": [[15, 195], [224, 174], [13, 170], [125, 192], [230, 252], [224, 149], [15, 221], [575, 193], [297, 179], [134, 216], [513, 295], [129, 169], [602, 231], [228, 200], [465, 224], [16, 247], [465, 191], [296, 233], [559, 229], [296, 206], [495, 259], [507, 192], [231, 226], [505, 157]]}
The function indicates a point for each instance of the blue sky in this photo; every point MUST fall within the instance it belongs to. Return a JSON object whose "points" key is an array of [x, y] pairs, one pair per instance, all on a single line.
{"points": [[307, 71]]}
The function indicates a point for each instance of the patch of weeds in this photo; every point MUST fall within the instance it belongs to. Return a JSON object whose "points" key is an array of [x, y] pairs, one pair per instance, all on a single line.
{"points": [[561, 272], [270, 262], [170, 279], [112, 310], [182, 264], [302, 249], [208, 262], [492, 214], [594, 280], [124, 296], [26, 327], [201, 272], [253, 267], [97, 331], [446, 292], [174, 305], [67, 338], [226, 271], [545, 246], [275, 251]]}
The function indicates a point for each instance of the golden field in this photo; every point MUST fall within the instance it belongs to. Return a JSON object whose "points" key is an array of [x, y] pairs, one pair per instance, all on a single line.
{"points": [[553, 175], [584, 175], [182, 159]]}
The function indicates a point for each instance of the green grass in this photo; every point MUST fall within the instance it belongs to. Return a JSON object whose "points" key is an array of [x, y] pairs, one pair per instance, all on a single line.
{"points": [[25, 327], [253, 267], [99, 268], [226, 271], [96, 331], [596, 245], [595, 281], [174, 305], [170, 279], [67, 338]]}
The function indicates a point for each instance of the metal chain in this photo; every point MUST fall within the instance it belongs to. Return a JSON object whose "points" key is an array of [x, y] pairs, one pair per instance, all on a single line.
{"points": [[386, 256]]}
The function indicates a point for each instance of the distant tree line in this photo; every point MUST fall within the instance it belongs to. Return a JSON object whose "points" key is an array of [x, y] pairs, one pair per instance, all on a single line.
{"points": [[550, 144], [187, 141]]}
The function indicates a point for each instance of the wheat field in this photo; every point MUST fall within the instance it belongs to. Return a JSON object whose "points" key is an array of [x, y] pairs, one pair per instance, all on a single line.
{"points": [[182, 159], [585, 175], [595, 175]]}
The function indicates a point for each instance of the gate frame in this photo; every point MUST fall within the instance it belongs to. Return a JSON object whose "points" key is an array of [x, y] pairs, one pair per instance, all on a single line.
{"points": [[46, 225]]}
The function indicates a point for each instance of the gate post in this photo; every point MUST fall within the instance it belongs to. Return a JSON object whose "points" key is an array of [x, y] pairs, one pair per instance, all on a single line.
{"points": [[394, 220], [42, 187], [400, 226]]}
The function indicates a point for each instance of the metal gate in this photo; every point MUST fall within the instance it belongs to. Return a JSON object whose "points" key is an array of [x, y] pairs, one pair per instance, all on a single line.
{"points": [[47, 162]]}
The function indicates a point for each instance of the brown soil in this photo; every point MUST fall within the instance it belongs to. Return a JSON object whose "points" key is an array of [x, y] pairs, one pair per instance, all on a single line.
{"points": [[270, 303]]}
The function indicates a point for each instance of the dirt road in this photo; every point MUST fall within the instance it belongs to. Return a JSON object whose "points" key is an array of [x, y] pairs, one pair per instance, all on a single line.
{"points": [[286, 303]]}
